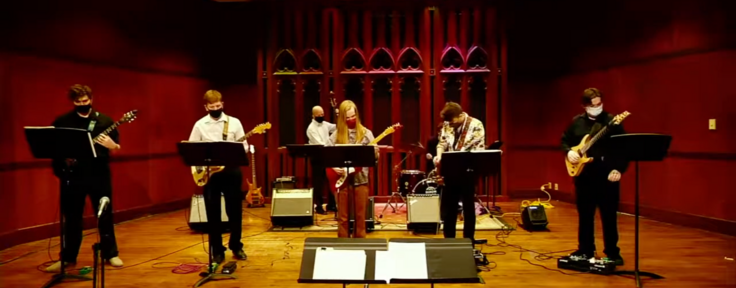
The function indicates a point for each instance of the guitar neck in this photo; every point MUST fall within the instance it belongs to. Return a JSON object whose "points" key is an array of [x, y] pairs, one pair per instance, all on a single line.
{"points": [[595, 138], [241, 139], [253, 169], [108, 130], [379, 138]]}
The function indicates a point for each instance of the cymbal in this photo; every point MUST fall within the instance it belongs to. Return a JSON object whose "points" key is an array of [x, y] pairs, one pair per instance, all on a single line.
{"points": [[413, 147]]}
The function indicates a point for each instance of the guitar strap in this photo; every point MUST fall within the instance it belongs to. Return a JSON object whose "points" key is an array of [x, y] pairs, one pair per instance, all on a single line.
{"points": [[463, 133], [224, 131], [93, 122]]}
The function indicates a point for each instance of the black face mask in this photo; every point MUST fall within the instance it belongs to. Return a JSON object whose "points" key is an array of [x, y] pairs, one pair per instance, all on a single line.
{"points": [[319, 119], [83, 109], [216, 113]]}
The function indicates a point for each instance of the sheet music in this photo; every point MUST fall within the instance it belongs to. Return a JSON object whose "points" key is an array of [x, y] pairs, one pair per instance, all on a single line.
{"points": [[402, 261], [330, 264]]}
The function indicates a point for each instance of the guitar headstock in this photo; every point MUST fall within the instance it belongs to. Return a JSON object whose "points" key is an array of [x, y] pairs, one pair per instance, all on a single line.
{"points": [[393, 128], [261, 128], [332, 100], [128, 117], [620, 117], [252, 149]]}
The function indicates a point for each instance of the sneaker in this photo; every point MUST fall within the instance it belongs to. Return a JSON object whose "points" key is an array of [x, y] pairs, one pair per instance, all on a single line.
{"points": [[617, 259], [320, 210], [115, 262], [56, 267], [240, 254], [218, 258]]}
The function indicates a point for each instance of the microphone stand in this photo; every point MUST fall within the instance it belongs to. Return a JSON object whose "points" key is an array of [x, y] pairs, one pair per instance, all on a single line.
{"points": [[97, 252], [395, 193]]}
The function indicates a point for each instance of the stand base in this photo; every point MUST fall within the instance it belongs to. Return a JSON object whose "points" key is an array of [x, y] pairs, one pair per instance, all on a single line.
{"points": [[213, 277], [637, 275], [58, 278], [394, 203]]}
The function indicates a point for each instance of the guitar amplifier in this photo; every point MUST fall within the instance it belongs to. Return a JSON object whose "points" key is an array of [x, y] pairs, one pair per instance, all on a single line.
{"points": [[292, 207], [370, 221], [284, 182], [423, 213], [198, 214]]}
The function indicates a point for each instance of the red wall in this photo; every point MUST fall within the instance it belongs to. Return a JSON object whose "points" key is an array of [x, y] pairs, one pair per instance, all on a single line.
{"points": [[667, 63], [140, 59]]}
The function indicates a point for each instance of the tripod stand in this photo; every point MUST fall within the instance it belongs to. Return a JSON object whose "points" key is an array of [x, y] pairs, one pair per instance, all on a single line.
{"points": [[639, 147], [60, 144], [392, 200], [206, 154]]}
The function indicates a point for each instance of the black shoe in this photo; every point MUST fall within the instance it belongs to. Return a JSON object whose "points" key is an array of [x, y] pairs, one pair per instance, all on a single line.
{"points": [[617, 259], [240, 254], [218, 258], [319, 210], [331, 208]]}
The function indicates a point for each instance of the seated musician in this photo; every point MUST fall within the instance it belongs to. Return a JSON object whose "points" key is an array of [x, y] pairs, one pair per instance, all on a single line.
{"points": [[350, 131]]}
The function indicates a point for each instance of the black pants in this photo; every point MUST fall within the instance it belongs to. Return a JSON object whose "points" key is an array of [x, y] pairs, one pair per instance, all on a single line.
{"points": [[319, 182], [453, 192], [227, 183], [593, 190], [96, 185]]}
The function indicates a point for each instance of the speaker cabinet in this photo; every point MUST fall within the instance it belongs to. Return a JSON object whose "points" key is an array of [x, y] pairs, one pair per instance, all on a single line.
{"points": [[370, 222], [292, 207], [198, 214], [423, 213], [534, 218]]}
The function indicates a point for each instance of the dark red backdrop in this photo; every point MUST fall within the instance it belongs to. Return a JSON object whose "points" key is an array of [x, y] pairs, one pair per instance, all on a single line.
{"points": [[669, 63]]}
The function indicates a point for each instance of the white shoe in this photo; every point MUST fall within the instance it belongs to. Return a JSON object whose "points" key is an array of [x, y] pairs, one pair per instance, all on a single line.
{"points": [[56, 267], [115, 262]]}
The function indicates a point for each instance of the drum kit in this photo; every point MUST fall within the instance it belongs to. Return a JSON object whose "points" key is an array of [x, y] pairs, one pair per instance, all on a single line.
{"points": [[411, 182]]}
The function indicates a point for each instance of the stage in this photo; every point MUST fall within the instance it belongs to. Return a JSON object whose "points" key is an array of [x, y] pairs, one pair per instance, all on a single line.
{"points": [[152, 246]]}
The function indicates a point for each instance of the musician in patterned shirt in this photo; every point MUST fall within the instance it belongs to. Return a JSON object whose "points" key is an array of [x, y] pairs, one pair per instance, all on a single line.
{"points": [[460, 132]]}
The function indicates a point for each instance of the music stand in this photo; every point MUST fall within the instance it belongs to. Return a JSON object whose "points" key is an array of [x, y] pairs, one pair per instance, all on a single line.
{"points": [[494, 146], [312, 153], [639, 147], [61, 143], [473, 164], [212, 154], [347, 156]]}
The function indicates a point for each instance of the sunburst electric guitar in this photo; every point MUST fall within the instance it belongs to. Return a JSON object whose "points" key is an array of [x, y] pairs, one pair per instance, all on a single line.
{"points": [[338, 181], [200, 172], [254, 196], [587, 142]]}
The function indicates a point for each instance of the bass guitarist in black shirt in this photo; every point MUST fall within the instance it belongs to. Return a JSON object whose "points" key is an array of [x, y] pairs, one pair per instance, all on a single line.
{"points": [[597, 186], [88, 177]]}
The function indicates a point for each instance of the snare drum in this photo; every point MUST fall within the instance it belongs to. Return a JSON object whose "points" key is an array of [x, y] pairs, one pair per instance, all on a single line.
{"points": [[409, 179]]}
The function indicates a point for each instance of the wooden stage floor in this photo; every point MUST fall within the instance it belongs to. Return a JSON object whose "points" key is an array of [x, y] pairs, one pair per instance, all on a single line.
{"points": [[151, 246]]}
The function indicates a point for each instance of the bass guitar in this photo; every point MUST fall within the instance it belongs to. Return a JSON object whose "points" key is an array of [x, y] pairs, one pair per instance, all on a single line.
{"points": [[574, 169], [338, 181], [254, 196], [199, 173]]}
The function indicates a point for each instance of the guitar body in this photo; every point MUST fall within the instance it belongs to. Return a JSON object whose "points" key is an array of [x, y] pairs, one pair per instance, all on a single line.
{"points": [[337, 181], [254, 196], [575, 169], [199, 173]]}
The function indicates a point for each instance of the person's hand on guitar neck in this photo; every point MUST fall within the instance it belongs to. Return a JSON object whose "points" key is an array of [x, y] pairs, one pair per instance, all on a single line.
{"points": [[614, 176], [573, 157]]}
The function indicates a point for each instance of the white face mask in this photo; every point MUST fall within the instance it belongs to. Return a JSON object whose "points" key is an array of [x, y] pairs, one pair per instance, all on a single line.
{"points": [[594, 111]]}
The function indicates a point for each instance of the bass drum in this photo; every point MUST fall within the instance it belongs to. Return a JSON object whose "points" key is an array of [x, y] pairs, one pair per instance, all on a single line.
{"points": [[408, 180]]}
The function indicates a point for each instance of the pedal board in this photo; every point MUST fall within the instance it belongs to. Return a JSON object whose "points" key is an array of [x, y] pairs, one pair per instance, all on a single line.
{"points": [[592, 265]]}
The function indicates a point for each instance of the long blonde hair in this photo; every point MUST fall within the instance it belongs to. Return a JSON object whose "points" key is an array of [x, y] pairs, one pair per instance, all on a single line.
{"points": [[342, 125]]}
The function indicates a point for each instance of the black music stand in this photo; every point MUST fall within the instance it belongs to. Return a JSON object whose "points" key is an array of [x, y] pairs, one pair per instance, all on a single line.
{"points": [[312, 153], [61, 143], [494, 146], [639, 147], [473, 164], [212, 154], [347, 156]]}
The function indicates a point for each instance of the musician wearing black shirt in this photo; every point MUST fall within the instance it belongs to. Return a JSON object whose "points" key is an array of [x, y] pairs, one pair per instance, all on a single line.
{"points": [[88, 177], [598, 184]]}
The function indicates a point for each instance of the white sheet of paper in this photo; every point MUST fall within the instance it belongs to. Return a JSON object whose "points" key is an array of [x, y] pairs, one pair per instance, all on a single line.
{"points": [[330, 264], [385, 267], [410, 260]]}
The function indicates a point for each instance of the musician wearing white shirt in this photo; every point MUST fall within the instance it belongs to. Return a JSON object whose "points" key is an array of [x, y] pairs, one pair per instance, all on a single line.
{"points": [[319, 132]]}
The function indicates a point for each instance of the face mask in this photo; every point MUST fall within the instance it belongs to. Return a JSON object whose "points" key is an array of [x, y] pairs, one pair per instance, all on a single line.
{"points": [[319, 119], [83, 109], [594, 111], [216, 113], [351, 123]]}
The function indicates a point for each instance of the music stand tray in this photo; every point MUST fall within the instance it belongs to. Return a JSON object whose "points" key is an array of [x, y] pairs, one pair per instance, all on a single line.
{"points": [[59, 143], [347, 156], [639, 147], [212, 154]]}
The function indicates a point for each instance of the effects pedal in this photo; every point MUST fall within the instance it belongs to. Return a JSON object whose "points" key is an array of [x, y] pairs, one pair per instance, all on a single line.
{"points": [[480, 259], [230, 267], [601, 266]]}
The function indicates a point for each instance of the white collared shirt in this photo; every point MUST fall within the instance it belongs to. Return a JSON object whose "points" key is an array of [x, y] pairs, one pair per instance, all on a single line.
{"points": [[210, 130], [319, 133]]}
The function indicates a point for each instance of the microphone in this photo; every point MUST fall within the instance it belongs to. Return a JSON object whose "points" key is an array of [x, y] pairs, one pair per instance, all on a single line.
{"points": [[104, 202], [429, 156]]}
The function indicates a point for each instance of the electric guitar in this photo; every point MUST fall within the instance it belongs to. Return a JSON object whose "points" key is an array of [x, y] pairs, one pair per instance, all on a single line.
{"points": [[575, 169], [254, 196], [127, 118], [200, 172], [333, 112], [338, 181]]}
